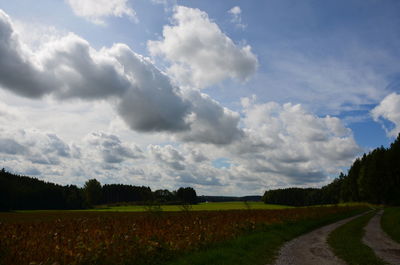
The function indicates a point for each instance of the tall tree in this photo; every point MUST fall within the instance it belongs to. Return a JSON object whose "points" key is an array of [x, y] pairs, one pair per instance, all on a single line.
{"points": [[187, 195], [93, 192]]}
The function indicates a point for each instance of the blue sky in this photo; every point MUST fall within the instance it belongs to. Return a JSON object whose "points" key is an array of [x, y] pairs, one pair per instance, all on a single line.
{"points": [[230, 97]]}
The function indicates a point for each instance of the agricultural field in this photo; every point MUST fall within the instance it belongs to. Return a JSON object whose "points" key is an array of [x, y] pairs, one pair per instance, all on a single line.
{"points": [[153, 237]]}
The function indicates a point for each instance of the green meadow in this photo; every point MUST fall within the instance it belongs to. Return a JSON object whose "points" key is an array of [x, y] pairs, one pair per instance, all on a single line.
{"points": [[207, 206]]}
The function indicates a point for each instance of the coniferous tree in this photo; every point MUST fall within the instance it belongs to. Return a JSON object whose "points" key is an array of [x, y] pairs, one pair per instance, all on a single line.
{"points": [[374, 178]]}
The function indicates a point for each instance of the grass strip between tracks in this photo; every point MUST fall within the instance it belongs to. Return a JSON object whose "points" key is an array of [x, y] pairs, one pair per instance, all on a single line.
{"points": [[346, 242]]}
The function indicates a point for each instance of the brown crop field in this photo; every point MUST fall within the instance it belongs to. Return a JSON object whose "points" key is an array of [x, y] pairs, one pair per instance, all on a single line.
{"points": [[129, 238]]}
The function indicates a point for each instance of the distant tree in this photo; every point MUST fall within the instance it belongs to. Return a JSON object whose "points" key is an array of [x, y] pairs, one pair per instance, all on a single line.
{"points": [[93, 192], [73, 197], [164, 196], [115, 193], [4, 192], [26, 193], [187, 195]]}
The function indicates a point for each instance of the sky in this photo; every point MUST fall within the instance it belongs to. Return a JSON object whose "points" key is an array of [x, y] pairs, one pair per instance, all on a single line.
{"points": [[229, 97]]}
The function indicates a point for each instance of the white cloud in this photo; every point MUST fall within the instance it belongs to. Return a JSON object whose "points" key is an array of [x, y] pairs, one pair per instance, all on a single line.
{"points": [[34, 34], [281, 145], [96, 10], [200, 53], [109, 91], [111, 149], [235, 10], [293, 144], [143, 96], [42, 148], [236, 17], [11, 147], [389, 109], [70, 68], [157, 103], [168, 156], [173, 165], [16, 60], [210, 122]]}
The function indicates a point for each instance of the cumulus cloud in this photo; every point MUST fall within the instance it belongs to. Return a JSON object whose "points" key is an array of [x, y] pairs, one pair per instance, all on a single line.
{"points": [[210, 122], [17, 69], [168, 155], [34, 146], [67, 67], [199, 52], [196, 155], [70, 68], [289, 142], [271, 146], [11, 147], [176, 166], [389, 109], [81, 71], [96, 10], [111, 149], [144, 97], [157, 104], [45, 148], [236, 17], [201, 177]]}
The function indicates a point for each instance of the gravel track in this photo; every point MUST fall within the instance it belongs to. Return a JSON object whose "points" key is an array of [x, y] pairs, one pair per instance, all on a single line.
{"points": [[311, 248], [383, 246]]}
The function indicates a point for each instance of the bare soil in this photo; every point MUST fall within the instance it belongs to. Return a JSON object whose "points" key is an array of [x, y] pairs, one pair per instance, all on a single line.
{"points": [[311, 248], [383, 246]]}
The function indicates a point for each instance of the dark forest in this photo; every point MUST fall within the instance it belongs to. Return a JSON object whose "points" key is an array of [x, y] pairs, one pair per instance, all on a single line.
{"points": [[373, 178]]}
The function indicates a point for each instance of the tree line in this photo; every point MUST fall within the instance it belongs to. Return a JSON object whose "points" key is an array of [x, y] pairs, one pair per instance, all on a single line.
{"points": [[373, 178], [27, 193], [254, 198]]}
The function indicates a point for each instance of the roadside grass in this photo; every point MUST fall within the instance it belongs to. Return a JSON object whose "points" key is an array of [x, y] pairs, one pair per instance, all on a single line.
{"points": [[258, 247], [346, 242], [390, 222]]}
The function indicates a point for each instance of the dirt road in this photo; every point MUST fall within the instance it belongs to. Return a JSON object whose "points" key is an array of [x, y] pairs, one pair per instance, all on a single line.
{"points": [[311, 248], [383, 246]]}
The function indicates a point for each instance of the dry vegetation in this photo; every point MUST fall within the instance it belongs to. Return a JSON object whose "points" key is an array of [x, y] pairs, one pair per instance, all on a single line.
{"points": [[129, 238]]}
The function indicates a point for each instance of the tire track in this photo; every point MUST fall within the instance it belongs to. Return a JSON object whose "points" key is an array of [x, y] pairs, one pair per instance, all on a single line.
{"points": [[311, 248], [383, 246]]}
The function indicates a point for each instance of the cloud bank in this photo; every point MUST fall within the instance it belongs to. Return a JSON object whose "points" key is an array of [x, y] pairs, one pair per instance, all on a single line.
{"points": [[290, 143], [267, 144], [145, 98]]}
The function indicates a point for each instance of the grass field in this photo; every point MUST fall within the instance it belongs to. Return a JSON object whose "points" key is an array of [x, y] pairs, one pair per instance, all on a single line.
{"points": [[391, 222], [210, 206], [346, 242]]}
